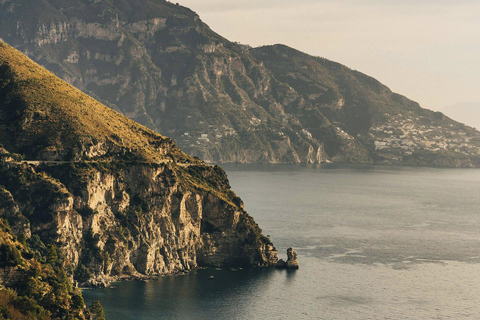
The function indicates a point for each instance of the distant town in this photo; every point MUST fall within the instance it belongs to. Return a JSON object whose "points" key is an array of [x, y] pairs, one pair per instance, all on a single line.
{"points": [[403, 134]]}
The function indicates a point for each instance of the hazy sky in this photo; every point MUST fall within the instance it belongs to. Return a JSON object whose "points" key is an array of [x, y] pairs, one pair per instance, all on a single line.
{"points": [[427, 50]]}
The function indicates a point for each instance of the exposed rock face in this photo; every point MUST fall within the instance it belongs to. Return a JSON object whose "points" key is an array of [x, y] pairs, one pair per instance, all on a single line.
{"points": [[133, 220], [280, 264], [159, 64], [114, 198], [291, 262]]}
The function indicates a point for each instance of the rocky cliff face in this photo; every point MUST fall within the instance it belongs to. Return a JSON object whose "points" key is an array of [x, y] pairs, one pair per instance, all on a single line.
{"points": [[160, 65], [125, 219], [115, 198]]}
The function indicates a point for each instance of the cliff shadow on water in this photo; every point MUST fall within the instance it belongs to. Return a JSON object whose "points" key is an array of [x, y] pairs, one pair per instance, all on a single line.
{"points": [[186, 296]]}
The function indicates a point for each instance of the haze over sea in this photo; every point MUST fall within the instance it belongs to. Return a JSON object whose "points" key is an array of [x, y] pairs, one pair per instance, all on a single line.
{"points": [[373, 243]]}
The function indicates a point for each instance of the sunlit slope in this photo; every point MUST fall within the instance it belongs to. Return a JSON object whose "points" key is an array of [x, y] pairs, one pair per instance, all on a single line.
{"points": [[43, 117]]}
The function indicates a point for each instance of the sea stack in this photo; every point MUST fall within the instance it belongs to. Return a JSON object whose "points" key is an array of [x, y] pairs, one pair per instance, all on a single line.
{"points": [[291, 262]]}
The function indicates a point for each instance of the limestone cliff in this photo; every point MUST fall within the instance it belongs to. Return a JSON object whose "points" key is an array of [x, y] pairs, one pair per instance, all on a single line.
{"points": [[115, 198]]}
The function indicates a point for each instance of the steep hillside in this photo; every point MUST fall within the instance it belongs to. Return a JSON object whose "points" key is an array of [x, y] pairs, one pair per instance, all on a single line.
{"points": [[44, 118], [113, 197], [159, 64], [33, 283], [393, 128]]}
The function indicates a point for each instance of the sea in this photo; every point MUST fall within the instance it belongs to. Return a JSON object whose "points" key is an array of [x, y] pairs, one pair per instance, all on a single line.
{"points": [[373, 242]]}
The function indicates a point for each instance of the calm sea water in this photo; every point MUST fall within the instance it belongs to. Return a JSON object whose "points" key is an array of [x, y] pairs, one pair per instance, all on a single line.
{"points": [[373, 243]]}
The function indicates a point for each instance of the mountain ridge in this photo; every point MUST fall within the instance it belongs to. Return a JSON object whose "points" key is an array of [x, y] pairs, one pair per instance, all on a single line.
{"points": [[159, 64]]}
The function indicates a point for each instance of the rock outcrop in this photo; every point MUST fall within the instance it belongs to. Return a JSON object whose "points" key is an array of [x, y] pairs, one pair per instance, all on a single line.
{"points": [[291, 262], [115, 198], [160, 65]]}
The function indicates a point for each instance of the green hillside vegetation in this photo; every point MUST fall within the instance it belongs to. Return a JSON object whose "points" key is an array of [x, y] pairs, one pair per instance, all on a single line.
{"points": [[35, 283], [51, 115]]}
